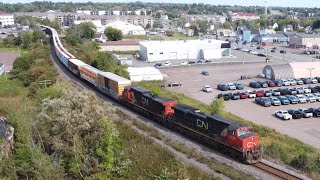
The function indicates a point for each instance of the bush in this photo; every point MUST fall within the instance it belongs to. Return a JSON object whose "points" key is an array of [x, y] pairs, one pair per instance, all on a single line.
{"points": [[217, 106]]}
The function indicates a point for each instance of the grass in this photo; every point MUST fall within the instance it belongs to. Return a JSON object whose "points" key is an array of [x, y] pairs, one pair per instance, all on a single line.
{"points": [[9, 88], [2, 49], [213, 164], [277, 147]]}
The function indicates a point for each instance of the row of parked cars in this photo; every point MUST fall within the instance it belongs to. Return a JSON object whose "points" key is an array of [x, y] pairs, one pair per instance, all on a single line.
{"points": [[284, 82], [184, 63], [287, 99], [310, 52], [298, 113], [230, 86]]}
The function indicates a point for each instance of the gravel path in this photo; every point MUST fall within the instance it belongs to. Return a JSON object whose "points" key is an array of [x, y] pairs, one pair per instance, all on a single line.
{"points": [[64, 74]]}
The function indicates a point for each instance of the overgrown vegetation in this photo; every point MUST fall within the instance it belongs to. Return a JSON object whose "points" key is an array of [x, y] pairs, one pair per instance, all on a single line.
{"points": [[113, 34], [276, 146]]}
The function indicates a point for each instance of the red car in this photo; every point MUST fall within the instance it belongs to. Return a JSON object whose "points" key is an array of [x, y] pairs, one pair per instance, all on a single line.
{"points": [[271, 84], [259, 94], [243, 96]]}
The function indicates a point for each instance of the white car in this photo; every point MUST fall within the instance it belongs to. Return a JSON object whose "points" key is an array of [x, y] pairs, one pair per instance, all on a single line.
{"points": [[317, 95], [167, 63], [253, 52], [292, 82], [250, 94], [314, 81], [306, 113], [184, 63], [206, 88], [301, 98], [285, 82], [252, 45], [231, 86], [311, 98], [306, 90], [245, 50], [283, 115]]}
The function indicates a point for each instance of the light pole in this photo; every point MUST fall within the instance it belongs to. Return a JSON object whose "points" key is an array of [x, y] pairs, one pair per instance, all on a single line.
{"points": [[310, 69]]}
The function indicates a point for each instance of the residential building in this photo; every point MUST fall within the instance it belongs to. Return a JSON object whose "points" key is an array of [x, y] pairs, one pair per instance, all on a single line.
{"points": [[6, 19], [287, 28], [188, 49], [244, 16], [302, 40], [225, 32], [245, 34], [208, 18], [100, 38], [114, 12], [127, 28], [273, 25]]}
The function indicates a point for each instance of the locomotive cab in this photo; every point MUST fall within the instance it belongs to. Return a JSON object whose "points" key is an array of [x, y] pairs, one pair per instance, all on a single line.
{"points": [[244, 139]]}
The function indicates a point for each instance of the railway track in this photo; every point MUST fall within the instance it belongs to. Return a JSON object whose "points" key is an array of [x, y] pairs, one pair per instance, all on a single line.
{"points": [[276, 172]]}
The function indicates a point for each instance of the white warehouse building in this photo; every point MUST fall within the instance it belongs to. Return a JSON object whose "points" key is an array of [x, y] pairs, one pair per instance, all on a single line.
{"points": [[189, 49]]}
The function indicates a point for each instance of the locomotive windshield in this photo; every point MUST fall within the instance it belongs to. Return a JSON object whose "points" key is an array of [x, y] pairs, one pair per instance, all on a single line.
{"points": [[244, 132]]}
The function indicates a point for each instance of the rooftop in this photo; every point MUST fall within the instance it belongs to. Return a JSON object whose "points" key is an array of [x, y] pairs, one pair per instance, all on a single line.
{"points": [[183, 42], [130, 42], [243, 14], [304, 35]]}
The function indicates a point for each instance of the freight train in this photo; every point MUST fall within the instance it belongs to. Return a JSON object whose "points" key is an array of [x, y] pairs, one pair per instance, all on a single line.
{"points": [[229, 136]]}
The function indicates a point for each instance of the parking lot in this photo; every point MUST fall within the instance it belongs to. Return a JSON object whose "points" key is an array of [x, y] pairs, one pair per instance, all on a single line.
{"points": [[192, 81]]}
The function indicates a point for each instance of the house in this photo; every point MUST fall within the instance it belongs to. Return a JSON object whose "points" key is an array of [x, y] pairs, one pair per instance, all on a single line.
{"points": [[244, 16], [303, 40], [225, 32], [99, 37], [245, 34], [273, 25], [287, 28]]}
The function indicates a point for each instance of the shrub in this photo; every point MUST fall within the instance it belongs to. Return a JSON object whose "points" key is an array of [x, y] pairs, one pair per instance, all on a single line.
{"points": [[217, 106]]}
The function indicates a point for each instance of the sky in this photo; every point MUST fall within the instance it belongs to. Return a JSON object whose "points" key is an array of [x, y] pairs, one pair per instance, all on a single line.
{"points": [[283, 3]]}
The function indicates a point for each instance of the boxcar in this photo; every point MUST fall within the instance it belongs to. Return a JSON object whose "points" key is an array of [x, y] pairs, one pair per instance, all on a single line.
{"points": [[64, 58], [89, 73], [112, 84], [74, 66]]}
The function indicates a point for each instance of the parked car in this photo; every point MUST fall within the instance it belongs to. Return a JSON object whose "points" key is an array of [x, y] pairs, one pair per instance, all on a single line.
{"points": [[263, 101], [259, 94], [311, 98], [276, 92], [184, 63], [250, 94], [235, 96], [306, 113], [261, 55], [285, 82], [315, 89], [199, 61], [167, 63], [299, 90], [208, 61], [226, 97], [275, 101], [223, 87], [283, 115], [206, 73], [299, 81], [172, 84], [231, 86], [263, 84], [317, 95], [292, 99], [254, 52], [292, 82], [295, 114], [254, 85], [206, 88], [283, 51], [273, 50], [267, 93], [270, 83], [318, 79], [243, 95], [301, 98], [284, 91], [292, 91], [315, 112], [306, 90], [239, 86], [284, 100], [278, 83], [191, 62], [306, 80], [314, 80], [157, 65], [258, 47]]}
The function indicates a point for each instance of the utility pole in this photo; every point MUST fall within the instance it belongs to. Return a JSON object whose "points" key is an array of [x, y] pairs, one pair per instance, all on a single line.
{"points": [[310, 69]]}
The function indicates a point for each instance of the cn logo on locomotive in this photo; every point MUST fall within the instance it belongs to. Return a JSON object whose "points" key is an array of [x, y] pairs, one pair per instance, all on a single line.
{"points": [[202, 124], [145, 101]]}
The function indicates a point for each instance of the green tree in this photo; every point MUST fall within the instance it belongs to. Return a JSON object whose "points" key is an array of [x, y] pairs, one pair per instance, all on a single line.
{"points": [[195, 30], [104, 62], [204, 27], [27, 39], [142, 13], [227, 25], [316, 24], [113, 34], [148, 26], [158, 15], [86, 30]]}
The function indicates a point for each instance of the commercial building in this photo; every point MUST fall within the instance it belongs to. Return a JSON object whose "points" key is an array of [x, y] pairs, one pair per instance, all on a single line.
{"points": [[272, 38], [225, 32], [127, 28], [208, 18], [122, 45], [292, 70], [6, 19], [190, 49], [144, 74], [302, 40]]}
